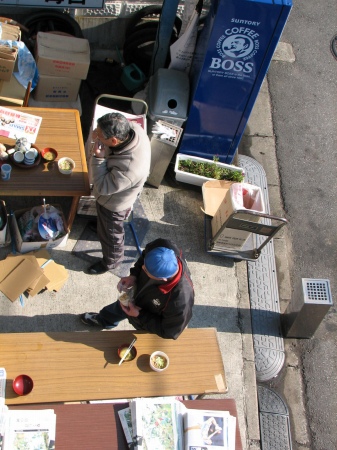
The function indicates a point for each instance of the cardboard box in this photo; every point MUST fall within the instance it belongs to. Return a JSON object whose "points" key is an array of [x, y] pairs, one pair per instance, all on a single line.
{"points": [[30, 273], [55, 274], [56, 89], [17, 274], [10, 32], [25, 247], [213, 193], [219, 202], [62, 56], [8, 61], [8, 56], [12, 93]]}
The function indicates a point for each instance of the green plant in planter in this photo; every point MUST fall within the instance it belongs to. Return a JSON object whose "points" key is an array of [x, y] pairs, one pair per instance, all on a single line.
{"points": [[210, 170]]}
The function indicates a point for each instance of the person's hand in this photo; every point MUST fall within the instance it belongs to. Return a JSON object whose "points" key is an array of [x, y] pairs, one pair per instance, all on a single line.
{"points": [[99, 149], [126, 283], [132, 310]]}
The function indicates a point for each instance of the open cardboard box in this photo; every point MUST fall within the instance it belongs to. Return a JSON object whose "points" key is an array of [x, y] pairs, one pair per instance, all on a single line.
{"points": [[12, 93], [213, 193], [10, 32], [220, 205], [30, 273], [8, 61], [24, 247], [8, 52]]}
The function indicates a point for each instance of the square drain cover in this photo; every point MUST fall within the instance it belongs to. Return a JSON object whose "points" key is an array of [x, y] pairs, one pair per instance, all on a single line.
{"points": [[316, 291]]}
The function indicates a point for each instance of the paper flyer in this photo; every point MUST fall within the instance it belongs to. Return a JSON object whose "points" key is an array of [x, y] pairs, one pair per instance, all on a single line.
{"points": [[16, 124]]}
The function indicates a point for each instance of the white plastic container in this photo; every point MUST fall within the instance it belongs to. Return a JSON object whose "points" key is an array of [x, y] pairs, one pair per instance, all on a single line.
{"points": [[198, 180]]}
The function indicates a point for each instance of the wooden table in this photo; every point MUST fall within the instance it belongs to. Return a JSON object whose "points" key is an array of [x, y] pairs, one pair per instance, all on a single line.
{"points": [[97, 426], [84, 365], [60, 129]]}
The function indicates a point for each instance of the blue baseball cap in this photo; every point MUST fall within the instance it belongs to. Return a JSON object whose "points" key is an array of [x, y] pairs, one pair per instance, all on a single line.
{"points": [[161, 262]]}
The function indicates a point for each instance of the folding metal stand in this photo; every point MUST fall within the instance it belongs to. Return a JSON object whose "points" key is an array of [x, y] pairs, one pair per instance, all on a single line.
{"points": [[259, 234]]}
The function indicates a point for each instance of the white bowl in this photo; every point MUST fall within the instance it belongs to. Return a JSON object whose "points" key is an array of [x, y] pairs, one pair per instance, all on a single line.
{"points": [[63, 162], [162, 354]]}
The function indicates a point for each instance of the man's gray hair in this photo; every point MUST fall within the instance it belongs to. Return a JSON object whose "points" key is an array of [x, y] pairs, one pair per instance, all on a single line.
{"points": [[114, 125]]}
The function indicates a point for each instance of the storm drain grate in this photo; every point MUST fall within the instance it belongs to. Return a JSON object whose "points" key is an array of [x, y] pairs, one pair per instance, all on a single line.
{"points": [[316, 291], [274, 420]]}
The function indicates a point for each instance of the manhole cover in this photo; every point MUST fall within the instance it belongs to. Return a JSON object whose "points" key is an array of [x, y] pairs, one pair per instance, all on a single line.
{"points": [[334, 46]]}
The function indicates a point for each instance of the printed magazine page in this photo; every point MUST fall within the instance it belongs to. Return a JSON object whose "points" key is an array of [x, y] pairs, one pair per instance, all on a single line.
{"points": [[28, 429], [209, 430], [156, 424], [126, 421], [165, 423], [17, 124], [3, 416]]}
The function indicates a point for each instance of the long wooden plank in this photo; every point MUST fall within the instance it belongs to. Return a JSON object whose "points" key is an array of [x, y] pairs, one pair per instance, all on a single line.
{"points": [[84, 365]]}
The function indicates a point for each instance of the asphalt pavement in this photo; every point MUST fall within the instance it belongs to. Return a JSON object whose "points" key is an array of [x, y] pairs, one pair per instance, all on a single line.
{"points": [[304, 117]]}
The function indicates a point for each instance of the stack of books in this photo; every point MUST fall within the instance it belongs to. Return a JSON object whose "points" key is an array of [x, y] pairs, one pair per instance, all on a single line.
{"points": [[164, 423]]}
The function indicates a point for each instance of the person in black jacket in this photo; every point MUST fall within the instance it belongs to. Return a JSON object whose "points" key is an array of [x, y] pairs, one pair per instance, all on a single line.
{"points": [[164, 294]]}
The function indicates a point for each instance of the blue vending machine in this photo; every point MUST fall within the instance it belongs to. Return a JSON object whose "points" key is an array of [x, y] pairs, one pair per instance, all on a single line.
{"points": [[232, 57]]}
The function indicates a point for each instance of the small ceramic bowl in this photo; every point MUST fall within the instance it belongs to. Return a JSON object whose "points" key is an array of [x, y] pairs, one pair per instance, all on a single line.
{"points": [[130, 356], [66, 165], [159, 361], [23, 385], [49, 154]]}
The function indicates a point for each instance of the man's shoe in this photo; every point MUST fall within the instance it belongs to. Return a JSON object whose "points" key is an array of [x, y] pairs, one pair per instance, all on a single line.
{"points": [[92, 225], [97, 268], [90, 319]]}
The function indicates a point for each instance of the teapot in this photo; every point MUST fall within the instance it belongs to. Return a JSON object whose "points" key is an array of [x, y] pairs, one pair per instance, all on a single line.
{"points": [[22, 145]]}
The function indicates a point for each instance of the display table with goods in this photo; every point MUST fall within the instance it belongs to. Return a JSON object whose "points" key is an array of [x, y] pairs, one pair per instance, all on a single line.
{"points": [[61, 130], [85, 426]]}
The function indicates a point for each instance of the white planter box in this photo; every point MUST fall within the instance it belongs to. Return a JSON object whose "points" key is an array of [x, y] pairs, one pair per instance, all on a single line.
{"points": [[197, 180]]}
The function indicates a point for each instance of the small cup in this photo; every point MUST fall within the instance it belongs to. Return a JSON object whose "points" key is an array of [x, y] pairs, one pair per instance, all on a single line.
{"points": [[34, 150], [18, 157], [6, 172], [29, 157]]}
